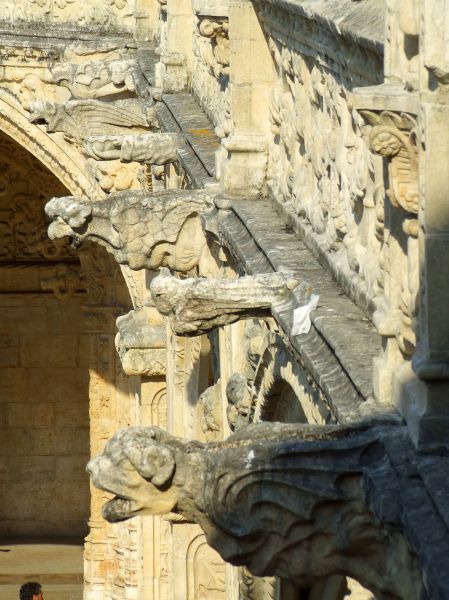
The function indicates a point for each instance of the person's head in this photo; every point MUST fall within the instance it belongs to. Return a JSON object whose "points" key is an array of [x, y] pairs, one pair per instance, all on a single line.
{"points": [[31, 591]]}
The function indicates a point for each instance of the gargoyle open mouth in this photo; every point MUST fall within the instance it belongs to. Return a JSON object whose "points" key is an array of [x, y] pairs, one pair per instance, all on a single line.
{"points": [[118, 509]]}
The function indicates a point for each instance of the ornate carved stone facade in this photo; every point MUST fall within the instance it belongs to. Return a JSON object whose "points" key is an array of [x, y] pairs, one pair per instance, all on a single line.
{"points": [[245, 201]]}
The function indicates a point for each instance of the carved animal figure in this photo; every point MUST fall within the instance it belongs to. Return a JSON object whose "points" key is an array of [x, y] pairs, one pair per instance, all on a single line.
{"points": [[298, 501], [152, 148], [197, 305], [141, 230], [78, 119]]}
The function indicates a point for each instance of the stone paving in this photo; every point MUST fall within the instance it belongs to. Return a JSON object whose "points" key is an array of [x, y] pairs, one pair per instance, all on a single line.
{"points": [[58, 567]]}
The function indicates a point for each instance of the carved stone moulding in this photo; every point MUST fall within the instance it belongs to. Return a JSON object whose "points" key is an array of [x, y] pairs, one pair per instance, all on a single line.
{"points": [[60, 158], [141, 344], [211, 8], [141, 230], [198, 305], [298, 501]]}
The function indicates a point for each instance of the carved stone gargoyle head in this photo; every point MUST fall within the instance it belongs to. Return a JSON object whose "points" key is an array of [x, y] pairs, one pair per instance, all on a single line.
{"points": [[141, 230], [297, 501], [138, 469], [48, 113]]}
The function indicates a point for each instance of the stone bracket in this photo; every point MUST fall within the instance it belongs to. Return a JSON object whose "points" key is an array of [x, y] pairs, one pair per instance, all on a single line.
{"points": [[141, 344], [141, 230]]}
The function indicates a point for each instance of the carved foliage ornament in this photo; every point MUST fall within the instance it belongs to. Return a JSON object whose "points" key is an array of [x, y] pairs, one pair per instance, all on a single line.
{"points": [[298, 501], [218, 32]]}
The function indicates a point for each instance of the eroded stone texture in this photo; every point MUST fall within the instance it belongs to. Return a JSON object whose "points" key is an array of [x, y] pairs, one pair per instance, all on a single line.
{"points": [[155, 148], [141, 230], [141, 344], [82, 118], [196, 306], [348, 144], [309, 484]]}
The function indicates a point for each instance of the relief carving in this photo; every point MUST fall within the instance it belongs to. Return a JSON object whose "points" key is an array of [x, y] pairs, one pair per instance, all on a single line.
{"points": [[141, 344], [316, 144], [197, 305], [64, 281], [217, 30], [25, 186], [113, 176], [211, 70], [94, 79], [393, 136], [298, 501], [240, 407], [141, 230], [209, 404], [115, 14]]}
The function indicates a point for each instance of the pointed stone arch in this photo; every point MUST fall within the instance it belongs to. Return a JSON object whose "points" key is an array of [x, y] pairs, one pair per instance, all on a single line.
{"points": [[64, 161]]}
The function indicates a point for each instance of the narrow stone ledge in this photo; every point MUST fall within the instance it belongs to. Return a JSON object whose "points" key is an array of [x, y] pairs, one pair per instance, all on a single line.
{"points": [[342, 343], [362, 22], [196, 127]]}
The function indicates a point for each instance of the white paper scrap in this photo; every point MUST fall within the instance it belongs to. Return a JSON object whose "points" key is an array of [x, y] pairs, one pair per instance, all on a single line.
{"points": [[301, 316]]}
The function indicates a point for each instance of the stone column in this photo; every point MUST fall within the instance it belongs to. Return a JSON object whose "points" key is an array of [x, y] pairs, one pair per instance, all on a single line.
{"points": [[110, 407], [427, 410], [173, 71], [146, 14], [242, 159], [100, 323]]}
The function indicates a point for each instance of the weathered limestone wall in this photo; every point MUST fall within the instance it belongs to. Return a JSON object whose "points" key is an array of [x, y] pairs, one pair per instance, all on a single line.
{"points": [[44, 416]]}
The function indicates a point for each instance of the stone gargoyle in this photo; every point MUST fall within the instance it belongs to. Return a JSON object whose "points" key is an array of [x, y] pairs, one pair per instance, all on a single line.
{"points": [[197, 305], [141, 230], [301, 502], [78, 119], [151, 148]]}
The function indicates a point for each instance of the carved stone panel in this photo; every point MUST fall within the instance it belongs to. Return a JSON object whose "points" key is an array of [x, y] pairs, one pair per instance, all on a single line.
{"points": [[25, 186]]}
